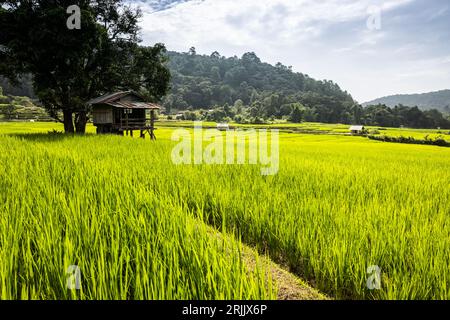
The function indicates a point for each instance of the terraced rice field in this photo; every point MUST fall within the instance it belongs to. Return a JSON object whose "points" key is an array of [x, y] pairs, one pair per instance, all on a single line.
{"points": [[139, 227]]}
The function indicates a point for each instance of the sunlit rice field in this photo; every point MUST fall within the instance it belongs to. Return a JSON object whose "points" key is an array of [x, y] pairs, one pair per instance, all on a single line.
{"points": [[140, 227]]}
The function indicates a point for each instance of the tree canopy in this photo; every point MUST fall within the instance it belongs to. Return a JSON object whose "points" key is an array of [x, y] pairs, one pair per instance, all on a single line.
{"points": [[68, 67], [201, 81], [439, 100], [247, 90]]}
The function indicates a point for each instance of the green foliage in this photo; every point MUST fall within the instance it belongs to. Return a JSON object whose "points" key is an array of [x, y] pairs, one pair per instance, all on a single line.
{"points": [[259, 91], [338, 205], [4, 99], [190, 116], [201, 81], [73, 201], [297, 113], [218, 115], [8, 110], [263, 91], [382, 115], [21, 108], [433, 100], [70, 67], [438, 141]]}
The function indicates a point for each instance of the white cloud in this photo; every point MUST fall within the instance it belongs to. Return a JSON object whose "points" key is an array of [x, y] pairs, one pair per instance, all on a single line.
{"points": [[251, 22]]}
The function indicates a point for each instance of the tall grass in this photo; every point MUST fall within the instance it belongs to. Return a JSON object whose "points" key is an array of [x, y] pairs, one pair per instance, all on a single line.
{"points": [[135, 222], [91, 202]]}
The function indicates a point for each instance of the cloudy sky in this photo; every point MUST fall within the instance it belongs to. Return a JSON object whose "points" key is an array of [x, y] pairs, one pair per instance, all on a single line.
{"points": [[371, 48]]}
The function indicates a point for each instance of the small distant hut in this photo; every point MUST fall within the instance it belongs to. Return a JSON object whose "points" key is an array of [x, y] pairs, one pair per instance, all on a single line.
{"points": [[123, 112], [223, 126], [357, 129]]}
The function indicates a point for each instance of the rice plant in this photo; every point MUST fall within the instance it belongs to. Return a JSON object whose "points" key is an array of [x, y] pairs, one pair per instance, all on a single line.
{"points": [[137, 225]]}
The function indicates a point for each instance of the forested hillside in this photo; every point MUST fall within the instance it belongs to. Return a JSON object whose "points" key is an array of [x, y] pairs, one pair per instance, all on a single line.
{"points": [[203, 82], [20, 108], [25, 89], [247, 90], [433, 100]]}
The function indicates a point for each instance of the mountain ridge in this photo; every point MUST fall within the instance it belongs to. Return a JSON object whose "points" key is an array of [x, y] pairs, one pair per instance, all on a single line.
{"points": [[439, 100], [248, 90]]}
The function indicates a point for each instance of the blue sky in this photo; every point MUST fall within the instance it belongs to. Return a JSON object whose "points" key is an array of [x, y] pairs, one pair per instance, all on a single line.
{"points": [[371, 48]]}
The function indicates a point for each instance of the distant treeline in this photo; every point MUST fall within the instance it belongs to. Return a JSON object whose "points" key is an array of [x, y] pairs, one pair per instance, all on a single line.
{"points": [[246, 90], [411, 117], [439, 100], [410, 140]]}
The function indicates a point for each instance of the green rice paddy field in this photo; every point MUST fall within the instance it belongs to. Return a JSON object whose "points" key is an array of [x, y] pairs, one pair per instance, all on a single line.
{"points": [[140, 227]]}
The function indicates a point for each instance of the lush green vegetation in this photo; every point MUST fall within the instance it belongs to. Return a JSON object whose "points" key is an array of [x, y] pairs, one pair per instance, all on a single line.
{"points": [[71, 65], [433, 100], [410, 140], [400, 115], [135, 222], [20, 108], [77, 201], [325, 128], [140, 227], [246, 90], [414, 133], [200, 81]]}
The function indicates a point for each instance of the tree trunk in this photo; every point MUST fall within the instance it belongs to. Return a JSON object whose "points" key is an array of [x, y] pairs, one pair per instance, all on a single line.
{"points": [[68, 121], [80, 122]]}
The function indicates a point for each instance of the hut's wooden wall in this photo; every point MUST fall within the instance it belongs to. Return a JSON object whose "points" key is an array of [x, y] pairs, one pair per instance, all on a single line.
{"points": [[102, 115]]}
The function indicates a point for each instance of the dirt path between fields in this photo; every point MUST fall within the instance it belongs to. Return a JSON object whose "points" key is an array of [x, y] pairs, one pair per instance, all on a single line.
{"points": [[290, 287]]}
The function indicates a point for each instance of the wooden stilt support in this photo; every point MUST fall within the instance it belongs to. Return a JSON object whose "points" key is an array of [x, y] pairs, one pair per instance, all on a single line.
{"points": [[152, 125]]}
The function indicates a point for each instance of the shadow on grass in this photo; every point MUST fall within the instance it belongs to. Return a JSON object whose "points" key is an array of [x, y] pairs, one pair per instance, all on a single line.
{"points": [[46, 137]]}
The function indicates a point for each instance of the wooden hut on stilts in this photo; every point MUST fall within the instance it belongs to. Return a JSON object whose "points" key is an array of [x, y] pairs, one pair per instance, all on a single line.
{"points": [[124, 112]]}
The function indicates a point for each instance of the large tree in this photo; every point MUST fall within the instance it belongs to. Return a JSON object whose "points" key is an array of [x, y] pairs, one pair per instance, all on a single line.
{"points": [[72, 64]]}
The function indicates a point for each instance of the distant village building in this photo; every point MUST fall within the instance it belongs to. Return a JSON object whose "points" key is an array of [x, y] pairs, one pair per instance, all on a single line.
{"points": [[123, 112], [223, 126], [357, 129]]}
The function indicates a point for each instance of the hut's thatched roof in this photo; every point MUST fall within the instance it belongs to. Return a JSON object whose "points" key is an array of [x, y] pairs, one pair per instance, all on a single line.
{"points": [[118, 100]]}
